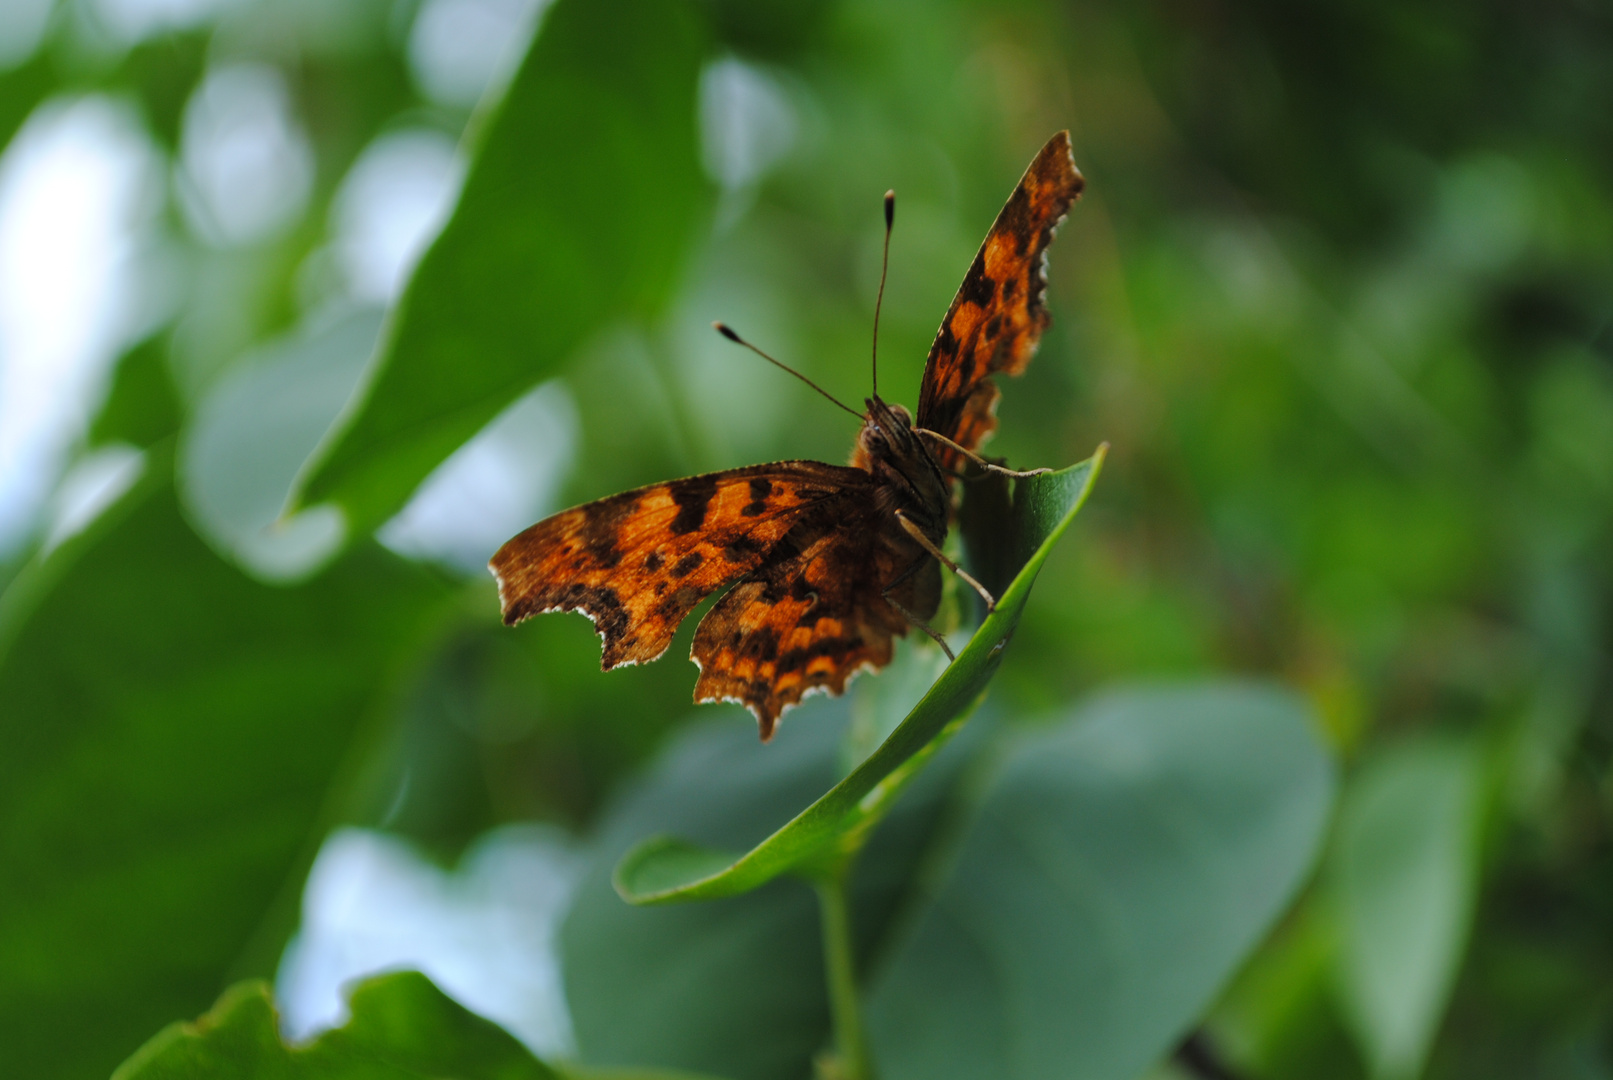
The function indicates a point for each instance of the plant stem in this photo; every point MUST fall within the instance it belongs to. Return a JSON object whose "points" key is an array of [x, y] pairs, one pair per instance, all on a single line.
{"points": [[841, 968]]}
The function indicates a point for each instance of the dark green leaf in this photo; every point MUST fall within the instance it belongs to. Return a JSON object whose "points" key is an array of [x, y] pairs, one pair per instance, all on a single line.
{"points": [[665, 869], [171, 731], [1117, 869], [141, 407], [583, 198]]}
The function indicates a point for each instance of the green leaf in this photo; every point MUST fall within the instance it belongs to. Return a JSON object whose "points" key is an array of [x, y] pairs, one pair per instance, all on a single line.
{"points": [[141, 406], [1117, 869], [171, 731], [580, 206], [252, 431], [665, 869], [1405, 872], [692, 986], [401, 1027], [733, 987]]}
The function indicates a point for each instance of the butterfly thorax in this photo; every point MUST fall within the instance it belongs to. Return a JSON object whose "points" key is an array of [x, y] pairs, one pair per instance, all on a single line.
{"points": [[907, 476]]}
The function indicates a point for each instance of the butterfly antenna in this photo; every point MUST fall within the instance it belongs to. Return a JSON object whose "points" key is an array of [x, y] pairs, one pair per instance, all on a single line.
{"points": [[884, 265], [728, 332]]}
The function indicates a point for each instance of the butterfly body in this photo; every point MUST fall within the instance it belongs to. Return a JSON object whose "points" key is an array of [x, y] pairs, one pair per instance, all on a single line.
{"points": [[906, 476], [824, 565]]}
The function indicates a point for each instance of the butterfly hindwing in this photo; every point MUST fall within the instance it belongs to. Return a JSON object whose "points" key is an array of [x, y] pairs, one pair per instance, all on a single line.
{"points": [[637, 563], [998, 316], [814, 614]]}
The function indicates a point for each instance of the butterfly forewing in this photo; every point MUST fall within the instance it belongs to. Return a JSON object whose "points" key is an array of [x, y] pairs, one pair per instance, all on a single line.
{"points": [[998, 316], [637, 563]]}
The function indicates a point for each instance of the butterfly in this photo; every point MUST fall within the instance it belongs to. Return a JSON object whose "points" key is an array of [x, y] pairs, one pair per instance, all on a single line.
{"points": [[824, 565]]}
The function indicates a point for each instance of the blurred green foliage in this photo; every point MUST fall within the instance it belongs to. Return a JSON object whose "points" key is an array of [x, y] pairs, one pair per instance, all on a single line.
{"points": [[1340, 297]]}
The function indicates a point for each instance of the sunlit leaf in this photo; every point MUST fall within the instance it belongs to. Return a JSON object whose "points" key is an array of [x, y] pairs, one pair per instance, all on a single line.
{"points": [[251, 432], [667, 869], [1116, 870], [171, 732], [582, 199], [1405, 872]]}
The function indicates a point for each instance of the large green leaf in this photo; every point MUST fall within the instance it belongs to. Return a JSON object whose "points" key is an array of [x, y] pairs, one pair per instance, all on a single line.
{"points": [[665, 869], [170, 732], [1404, 870], [735, 986], [1117, 869], [401, 1028], [580, 205]]}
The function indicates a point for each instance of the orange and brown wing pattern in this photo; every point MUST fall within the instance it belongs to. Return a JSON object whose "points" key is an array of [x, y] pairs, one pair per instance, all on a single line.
{"points": [[998, 316], [812, 617], [637, 563]]}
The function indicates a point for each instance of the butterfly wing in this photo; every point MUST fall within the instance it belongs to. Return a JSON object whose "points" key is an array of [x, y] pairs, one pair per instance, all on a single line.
{"points": [[998, 316], [814, 613], [637, 563]]}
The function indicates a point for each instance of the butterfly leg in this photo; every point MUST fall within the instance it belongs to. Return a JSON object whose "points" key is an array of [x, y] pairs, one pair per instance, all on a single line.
{"points": [[977, 459], [913, 568], [924, 541], [922, 625]]}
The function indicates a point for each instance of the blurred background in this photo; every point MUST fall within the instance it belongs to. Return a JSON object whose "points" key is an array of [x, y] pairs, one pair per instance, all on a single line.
{"points": [[1340, 296]]}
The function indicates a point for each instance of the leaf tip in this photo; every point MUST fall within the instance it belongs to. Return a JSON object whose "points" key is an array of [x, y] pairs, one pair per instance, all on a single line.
{"points": [[664, 868]]}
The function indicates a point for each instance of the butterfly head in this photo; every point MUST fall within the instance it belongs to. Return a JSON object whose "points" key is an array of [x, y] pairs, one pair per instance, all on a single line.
{"points": [[887, 429]]}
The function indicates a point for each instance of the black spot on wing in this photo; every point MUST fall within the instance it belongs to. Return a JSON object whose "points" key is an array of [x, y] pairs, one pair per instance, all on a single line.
{"points": [[978, 287], [760, 644], [692, 496], [678, 604], [1016, 219], [687, 564], [760, 489], [653, 562], [601, 526], [834, 647], [772, 589], [741, 549]]}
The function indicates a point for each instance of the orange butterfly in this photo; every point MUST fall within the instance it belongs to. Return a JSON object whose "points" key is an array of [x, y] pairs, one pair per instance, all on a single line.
{"points": [[828, 563]]}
